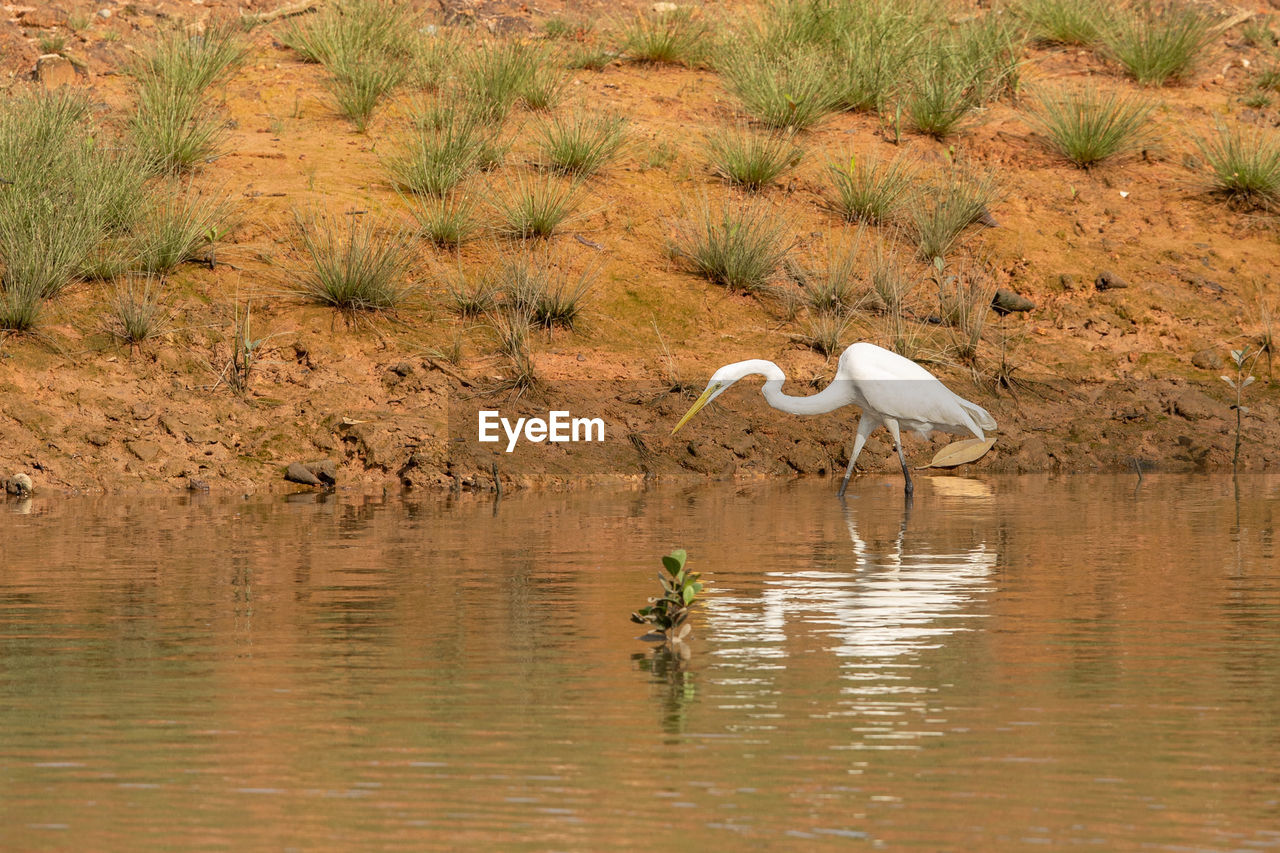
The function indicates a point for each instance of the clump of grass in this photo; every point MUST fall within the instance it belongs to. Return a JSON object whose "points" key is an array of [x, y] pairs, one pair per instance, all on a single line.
{"points": [[948, 206], [1257, 32], [65, 189], [20, 307], [867, 190], [891, 281], [347, 30], [964, 304], [1157, 44], [351, 265], [175, 226], [357, 87], [957, 72], [1063, 21], [191, 61], [581, 144], [535, 206], [836, 288], [443, 150], [51, 42], [677, 38], [786, 90], [473, 300], [751, 160], [136, 309], [540, 291], [825, 332], [1269, 79], [433, 56], [1244, 165], [544, 87], [173, 128], [496, 76], [739, 246], [1088, 127], [513, 328], [447, 222], [587, 57]]}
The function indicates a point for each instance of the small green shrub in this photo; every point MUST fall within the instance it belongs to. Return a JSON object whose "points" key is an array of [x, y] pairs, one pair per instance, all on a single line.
{"points": [[739, 246], [443, 150], [175, 226], [825, 332], [496, 76], [476, 299], [20, 307], [751, 160], [1087, 127], [834, 288], [51, 42], [667, 616], [582, 144], [1160, 44], [1244, 165], [352, 265], [867, 190]]}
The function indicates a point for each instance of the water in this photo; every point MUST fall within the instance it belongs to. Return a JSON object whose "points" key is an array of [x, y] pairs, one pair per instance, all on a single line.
{"points": [[1057, 661]]}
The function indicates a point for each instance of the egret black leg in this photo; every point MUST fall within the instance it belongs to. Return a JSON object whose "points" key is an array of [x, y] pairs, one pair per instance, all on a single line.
{"points": [[909, 487], [906, 475]]}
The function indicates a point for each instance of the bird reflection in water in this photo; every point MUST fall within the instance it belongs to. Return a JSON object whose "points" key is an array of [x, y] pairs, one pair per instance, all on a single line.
{"points": [[881, 612]]}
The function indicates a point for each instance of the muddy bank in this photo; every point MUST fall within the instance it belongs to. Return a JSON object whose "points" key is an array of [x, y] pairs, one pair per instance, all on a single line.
{"points": [[1139, 283]]}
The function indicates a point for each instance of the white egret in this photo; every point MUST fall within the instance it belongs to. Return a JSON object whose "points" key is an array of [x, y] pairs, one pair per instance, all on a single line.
{"points": [[892, 391]]}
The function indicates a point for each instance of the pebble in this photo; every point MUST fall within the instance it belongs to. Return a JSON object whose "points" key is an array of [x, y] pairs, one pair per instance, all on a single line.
{"points": [[297, 472]]}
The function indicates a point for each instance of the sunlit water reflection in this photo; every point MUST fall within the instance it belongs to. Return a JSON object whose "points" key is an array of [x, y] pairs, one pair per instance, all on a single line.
{"points": [[1015, 661]]}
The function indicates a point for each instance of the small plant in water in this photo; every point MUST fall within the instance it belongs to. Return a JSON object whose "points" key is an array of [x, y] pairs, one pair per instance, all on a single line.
{"points": [[668, 614], [1238, 384]]}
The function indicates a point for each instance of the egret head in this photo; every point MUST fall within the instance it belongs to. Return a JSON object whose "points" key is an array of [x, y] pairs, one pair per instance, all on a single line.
{"points": [[720, 381]]}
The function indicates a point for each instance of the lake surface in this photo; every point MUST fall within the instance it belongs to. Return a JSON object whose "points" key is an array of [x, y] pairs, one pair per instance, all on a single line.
{"points": [[1079, 662]]}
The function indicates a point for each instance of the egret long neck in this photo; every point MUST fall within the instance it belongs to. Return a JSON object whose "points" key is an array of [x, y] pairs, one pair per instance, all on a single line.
{"points": [[827, 400]]}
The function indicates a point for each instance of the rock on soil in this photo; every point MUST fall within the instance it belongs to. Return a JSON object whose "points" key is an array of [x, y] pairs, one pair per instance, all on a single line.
{"points": [[53, 70], [1207, 359], [1008, 302], [1107, 280]]}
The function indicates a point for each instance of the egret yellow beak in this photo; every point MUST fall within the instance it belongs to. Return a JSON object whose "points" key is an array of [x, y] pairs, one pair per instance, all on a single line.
{"points": [[698, 404]]}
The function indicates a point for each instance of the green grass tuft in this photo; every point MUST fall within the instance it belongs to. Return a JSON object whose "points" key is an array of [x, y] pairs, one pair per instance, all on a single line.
{"points": [[790, 90], [447, 222], [535, 206], [581, 144], [676, 38], [351, 264], [1087, 127], [1074, 22], [1244, 165], [867, 190], [739, 246], [1160, 44], [947, 207], [751, 160]]}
